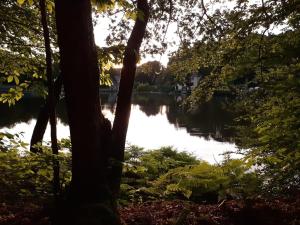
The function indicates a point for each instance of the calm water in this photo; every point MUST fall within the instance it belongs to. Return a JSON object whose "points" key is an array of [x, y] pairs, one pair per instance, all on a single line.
{"points": [[156, 121]]}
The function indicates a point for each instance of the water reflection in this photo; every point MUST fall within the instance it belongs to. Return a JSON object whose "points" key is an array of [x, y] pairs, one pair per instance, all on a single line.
{"points": [[26, 110], [156, 121], [211, 120]]}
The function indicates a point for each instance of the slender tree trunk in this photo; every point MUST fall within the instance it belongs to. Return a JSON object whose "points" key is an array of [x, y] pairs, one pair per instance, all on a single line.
{"points": [[120, 125], [43, 117], [52, 115]]}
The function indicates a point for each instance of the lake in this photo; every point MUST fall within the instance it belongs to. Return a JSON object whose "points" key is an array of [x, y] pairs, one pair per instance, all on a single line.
{"points": [[156, 120]]}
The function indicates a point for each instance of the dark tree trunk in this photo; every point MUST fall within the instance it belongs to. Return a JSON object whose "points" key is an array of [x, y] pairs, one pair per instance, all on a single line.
{"points": [[120, 126], [81, 84], [43, 117], [52, 116], [94, 186], [90, 132]]}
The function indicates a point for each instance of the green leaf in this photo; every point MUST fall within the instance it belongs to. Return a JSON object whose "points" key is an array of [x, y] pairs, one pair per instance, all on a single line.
{"points": [[131, 15], [16, 73], [10, 79], [50, 7], [35, 75], [17, 81], [20, 2]]}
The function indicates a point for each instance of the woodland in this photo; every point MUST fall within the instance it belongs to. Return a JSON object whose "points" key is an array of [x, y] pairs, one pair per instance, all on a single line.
{"points": [[248, 51]]}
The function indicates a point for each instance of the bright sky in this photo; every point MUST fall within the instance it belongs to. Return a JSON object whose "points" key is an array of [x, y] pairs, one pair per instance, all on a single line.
{"points": [[101, 31]]}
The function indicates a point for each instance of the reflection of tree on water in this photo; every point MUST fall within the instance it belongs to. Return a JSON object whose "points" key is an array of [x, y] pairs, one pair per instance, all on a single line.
{"points": [[210, 120], [26, 110], [152, 104], [23, 111], [108, 101]]}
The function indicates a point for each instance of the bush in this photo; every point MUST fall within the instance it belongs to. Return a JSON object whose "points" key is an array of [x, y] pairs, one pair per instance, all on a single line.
{"points": [[147, 175], [142, 167], [209, 183], [166, 173], [26, 175]]}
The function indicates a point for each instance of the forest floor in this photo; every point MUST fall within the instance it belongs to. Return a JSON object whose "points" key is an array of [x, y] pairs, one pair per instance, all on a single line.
{"points": [[250, 212]]}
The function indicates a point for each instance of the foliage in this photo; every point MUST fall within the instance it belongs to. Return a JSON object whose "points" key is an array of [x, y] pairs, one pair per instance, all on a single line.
{"points": [[210, 183], [148, 72], [21, 50], [147, 175], [108, 57], [166, 173], [152, 76], [26, 175], [252, 50], [272, 121], [142, 167], [10, 141]]}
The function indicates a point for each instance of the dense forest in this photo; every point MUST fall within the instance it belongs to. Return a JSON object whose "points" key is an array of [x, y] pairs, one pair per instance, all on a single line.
{"points": [[245, 52]]}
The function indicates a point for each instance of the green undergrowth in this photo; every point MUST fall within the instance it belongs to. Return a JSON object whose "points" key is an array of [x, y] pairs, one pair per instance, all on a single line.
{"points": [[163, 173], [28, 176], [168, 174]]}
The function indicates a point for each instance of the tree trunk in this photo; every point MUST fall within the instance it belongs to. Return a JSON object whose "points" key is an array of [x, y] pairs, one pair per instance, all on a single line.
{"points": [[93, 186], [43, 117], [52, 116], [120, 126], [89, 199]]}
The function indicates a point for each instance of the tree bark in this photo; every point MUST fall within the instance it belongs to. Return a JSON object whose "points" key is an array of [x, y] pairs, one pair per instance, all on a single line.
{"points": [[90, 133], [52, 116], [122, 115], [89, 201], [93, 143]]}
